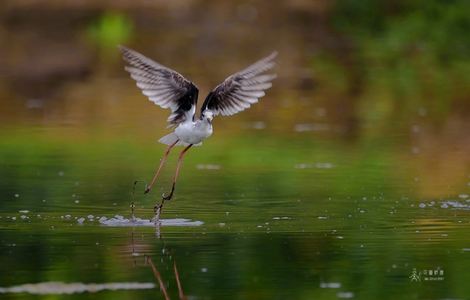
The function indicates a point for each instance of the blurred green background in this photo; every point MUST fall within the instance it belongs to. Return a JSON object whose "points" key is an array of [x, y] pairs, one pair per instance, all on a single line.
{"points": [[353, 170]]}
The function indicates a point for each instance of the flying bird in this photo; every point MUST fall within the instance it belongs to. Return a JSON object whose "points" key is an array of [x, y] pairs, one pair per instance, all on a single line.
{"points": [[169, 89]]}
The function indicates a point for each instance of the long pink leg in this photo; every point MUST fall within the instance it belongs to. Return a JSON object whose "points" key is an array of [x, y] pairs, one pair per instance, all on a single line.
{"points": [[149, 187], [158, 208], [180, 160]]}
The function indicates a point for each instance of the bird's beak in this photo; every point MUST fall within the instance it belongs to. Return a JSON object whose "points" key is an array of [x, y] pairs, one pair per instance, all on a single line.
{"points": [[209, 120]]}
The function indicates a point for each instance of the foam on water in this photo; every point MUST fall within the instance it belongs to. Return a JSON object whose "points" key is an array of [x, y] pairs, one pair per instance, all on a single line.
{"points": [[330, 285], [208, 167], [120, 221], [448, 204], [311, 127], [345, 295], [318, 165], [455, 205], [44, 288]]}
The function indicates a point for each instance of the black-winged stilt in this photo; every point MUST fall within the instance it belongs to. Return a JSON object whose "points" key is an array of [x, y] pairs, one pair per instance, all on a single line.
{"points": [[169, 89]]}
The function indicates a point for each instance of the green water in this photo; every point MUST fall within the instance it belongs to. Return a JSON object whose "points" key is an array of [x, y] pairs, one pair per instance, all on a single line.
{"points": [[296, 218]]}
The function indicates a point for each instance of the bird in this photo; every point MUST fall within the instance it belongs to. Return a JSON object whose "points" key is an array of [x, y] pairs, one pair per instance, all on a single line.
{"points": [[171, 90]]}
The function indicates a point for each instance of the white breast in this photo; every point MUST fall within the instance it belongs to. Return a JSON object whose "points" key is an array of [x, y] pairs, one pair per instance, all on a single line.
{"points": [[193, 132]]}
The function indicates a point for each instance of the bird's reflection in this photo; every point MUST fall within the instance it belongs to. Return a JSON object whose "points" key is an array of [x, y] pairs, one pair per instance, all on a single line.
{"points": [[137, 249]]}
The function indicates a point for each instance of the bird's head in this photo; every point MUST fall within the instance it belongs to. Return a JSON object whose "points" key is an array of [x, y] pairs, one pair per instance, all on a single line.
{"points": [[208, 116]]}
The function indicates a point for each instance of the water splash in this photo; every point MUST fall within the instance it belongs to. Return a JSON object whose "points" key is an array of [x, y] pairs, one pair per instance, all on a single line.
{"points": [[120, 221]]}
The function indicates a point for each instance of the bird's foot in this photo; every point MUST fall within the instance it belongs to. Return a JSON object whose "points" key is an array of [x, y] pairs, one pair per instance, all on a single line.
{"points": [[132, 206], [147, 189], [168, 197]]}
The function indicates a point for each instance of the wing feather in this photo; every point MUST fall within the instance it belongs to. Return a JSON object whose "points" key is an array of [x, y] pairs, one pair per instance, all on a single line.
{"points": [[163, 86], [242, 89]]}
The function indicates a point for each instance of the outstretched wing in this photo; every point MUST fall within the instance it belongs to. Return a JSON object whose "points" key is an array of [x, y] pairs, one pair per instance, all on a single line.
{"points": [[163, 86], [242, 89]]}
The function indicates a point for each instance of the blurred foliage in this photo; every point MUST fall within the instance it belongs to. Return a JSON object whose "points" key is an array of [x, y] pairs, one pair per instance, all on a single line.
{"points": [[412, 54], [110, 29]]}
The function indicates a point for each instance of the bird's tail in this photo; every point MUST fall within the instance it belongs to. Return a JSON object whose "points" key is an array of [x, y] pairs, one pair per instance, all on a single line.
{"points": [[168, 139]]}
